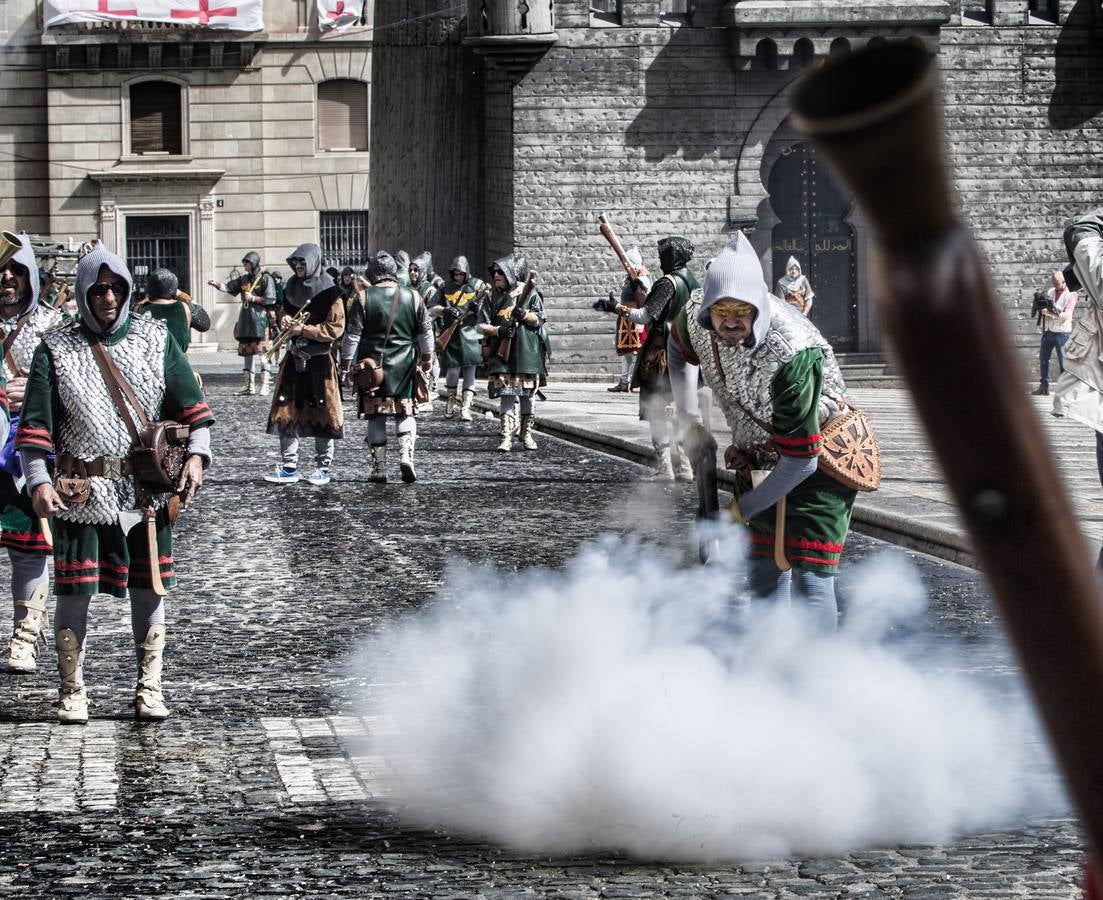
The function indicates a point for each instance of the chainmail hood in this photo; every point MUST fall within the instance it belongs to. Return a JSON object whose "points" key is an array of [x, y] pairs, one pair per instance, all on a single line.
{"points": [[508, 266], [252, 257], [460, 264], [88, 270], [674, 253], [381, 267], [736, 274], [162, 285], [424, 263]]}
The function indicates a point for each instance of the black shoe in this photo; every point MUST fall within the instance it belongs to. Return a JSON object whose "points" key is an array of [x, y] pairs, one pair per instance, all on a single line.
{"points": [[1041, 391]]}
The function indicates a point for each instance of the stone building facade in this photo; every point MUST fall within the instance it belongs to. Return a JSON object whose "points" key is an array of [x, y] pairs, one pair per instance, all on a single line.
{"points": [[673, 118], [188, 146], [500, 125]]}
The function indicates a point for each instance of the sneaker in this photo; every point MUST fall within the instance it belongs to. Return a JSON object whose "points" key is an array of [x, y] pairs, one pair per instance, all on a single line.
{"points": [[319, 476], [282, 476]]}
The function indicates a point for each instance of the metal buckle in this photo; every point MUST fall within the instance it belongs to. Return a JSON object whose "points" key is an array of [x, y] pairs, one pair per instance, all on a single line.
{"points": [[112, 467]]}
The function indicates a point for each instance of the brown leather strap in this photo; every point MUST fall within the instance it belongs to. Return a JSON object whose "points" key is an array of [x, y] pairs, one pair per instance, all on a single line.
{"points": [[117, 386], [98, 467]]}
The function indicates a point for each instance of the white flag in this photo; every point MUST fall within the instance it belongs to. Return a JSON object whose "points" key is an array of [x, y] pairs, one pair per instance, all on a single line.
{"points": [[339, 14], [227, 15]]}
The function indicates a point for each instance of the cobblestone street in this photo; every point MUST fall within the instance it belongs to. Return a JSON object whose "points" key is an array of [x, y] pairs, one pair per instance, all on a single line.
{"points": [[256, 785]]}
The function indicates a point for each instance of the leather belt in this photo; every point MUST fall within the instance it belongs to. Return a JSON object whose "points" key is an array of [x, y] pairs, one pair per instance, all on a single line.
{"points": [[112, 467]]}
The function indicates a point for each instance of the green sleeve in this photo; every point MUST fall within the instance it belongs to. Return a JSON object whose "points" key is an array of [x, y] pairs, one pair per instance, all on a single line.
{"points": [[796, 395], [40, 404], [184, 400]]}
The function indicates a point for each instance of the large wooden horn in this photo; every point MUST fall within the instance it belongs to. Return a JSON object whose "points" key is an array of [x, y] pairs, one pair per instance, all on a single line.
{"points": [[9, 246], [876, 116]]}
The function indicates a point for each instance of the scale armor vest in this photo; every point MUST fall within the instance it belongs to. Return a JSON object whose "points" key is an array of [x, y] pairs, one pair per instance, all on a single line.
{"points": [[43, 318], [748, 375], [90, 425]]}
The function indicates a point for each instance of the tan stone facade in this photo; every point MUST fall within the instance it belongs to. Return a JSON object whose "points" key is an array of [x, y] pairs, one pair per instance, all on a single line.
{"points": [[250, 174]]}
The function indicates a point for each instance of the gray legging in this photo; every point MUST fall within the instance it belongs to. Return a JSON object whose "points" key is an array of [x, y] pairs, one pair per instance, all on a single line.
{"points": [[251, 363], [146, 610], [28, 571], [452, 378], [815, 591], [377, 428], [509, 404], [323, 452]]}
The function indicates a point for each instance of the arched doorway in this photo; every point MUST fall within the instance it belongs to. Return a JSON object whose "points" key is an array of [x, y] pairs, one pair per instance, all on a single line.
{"points": [[812, 226]]}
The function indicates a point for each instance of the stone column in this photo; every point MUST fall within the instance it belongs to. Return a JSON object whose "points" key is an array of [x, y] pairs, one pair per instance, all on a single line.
{"points": [[205, 295]]}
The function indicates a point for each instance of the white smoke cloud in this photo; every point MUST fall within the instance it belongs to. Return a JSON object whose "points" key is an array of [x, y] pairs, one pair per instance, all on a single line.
{"points": [[615, 705]]}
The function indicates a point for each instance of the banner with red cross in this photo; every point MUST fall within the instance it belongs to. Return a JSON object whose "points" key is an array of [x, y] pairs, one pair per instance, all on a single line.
{"points": [[339, 14], [227, 15]]}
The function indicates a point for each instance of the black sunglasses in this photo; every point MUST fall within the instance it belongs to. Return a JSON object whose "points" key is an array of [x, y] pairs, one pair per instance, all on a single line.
{"points": [[295, 261], [118, 288]]}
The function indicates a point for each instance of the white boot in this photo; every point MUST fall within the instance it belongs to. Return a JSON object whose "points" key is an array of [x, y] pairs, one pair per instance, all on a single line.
{"points": [[378, 464], [664, 468], [505, 432], [406, 456], [73, 706], [683, 471], [450, 404], [265, 390], [23, 646], [149, 703], [248, 386], [527, 440], [465, 410]]}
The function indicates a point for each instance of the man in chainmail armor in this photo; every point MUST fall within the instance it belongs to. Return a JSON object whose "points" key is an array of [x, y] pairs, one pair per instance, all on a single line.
{"points": [[68, 411], [459, 300]]}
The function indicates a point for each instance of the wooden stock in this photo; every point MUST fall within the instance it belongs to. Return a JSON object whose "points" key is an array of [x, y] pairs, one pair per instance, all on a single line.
{"points": [[618, 249], [875, 115], [505, 346]]}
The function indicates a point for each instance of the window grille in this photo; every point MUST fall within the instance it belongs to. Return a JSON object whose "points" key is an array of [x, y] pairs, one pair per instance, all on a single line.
{"points": [[155, 120], [342, 115], [344, 238], [1044, 9]]}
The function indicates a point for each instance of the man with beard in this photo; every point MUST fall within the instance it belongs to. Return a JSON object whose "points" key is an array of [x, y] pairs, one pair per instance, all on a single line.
{"points": [[459, 302], [390, 331], [69, 410], [258, 300], [776, 379], [24, 318], [666, 299], [509, 315], [307, 399]]}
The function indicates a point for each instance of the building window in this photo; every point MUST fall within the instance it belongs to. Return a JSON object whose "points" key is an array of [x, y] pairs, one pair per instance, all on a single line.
{"points": [[675, 12], [344, 238], [604, 12], [1043, 12], [973, 11], [343, 115], [804, 52], [765, 56], [156, 121]]}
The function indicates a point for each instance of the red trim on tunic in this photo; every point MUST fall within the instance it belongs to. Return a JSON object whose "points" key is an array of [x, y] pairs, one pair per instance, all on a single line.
{"points": [[76, 564], [799, 543], [195, 412], [800, 454], [813, 559], [24, 540], [797, 441], [38, 437]]}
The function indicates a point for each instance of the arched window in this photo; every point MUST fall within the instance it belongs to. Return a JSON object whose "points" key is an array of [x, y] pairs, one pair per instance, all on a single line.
{"points": [[839, 46], [803, 53], [343, 115], [765, 55], [156, 118]]}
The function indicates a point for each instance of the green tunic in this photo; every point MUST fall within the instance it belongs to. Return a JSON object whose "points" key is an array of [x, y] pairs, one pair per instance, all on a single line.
{"points": [[650, 374], [466, 346], [398, 350], [529, 348], [817, 515], [175, 315]]}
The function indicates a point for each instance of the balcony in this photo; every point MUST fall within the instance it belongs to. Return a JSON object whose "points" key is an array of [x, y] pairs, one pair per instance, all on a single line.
{"points": [[785, 34], [511, 34]]}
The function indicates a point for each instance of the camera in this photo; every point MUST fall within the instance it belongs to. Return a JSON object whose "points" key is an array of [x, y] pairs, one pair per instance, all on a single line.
{"points": [[1041, 304]]}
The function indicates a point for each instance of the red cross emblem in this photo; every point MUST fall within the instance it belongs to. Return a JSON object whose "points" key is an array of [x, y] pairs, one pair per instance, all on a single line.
{"points": [[338, 12], [102, 6], [204, 13]]}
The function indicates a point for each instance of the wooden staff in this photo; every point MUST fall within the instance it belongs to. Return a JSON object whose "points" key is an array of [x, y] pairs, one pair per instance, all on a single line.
{"points": [[875, 115], [47, 534]]}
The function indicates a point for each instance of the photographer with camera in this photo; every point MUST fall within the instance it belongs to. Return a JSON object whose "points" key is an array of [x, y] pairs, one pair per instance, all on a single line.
{"points": [[1053, 310]]}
